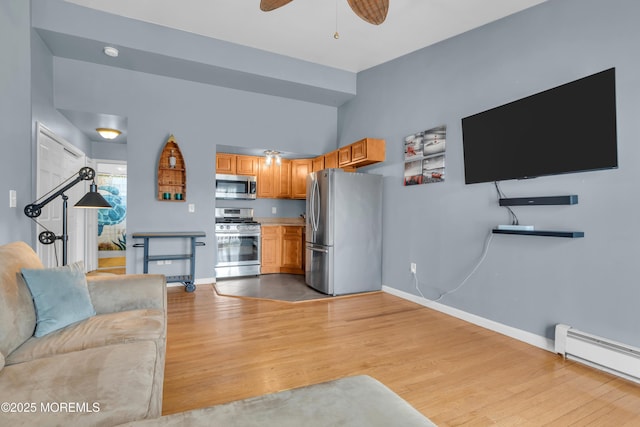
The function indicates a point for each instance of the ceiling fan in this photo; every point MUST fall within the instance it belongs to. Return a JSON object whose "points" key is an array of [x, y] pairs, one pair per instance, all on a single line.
{"points": [[372, 11]]}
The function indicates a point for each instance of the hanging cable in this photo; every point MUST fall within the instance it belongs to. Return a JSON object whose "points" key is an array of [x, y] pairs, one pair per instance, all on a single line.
{"points": [[485, 251], [336, 35], [512, 215]]}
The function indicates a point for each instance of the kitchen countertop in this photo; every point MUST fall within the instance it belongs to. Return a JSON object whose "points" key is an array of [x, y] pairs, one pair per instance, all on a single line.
{"points": [[280, 221]]}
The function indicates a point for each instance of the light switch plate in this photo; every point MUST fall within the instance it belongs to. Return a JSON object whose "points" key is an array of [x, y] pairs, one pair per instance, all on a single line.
{"points": [[192, 208], [13, 198]]}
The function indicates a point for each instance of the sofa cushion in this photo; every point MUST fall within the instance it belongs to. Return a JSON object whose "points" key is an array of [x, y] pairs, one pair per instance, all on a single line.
{"points": [[17, 314], [106, 386], [60, 296], [96, 331]]}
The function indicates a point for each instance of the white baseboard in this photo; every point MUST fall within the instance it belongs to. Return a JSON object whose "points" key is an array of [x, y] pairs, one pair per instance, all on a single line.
{"points": [[518, 334], [204, 281]]}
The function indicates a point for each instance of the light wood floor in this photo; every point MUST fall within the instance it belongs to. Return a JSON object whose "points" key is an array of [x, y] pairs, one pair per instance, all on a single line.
{"points": [[113, 265], [221, 349]]}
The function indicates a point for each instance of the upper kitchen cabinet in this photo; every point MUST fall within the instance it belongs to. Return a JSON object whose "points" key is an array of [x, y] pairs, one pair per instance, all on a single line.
{"points": [[300, 168], [247, 165], [282, 179], [226, 163], [236, 164], [318, 164], [274, 181], [365, 152], [266, 184], [331, 160], [344, 156]]}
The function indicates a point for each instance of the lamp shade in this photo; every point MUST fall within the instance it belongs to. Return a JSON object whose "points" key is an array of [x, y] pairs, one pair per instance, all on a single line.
{"points": [[93, 199]]}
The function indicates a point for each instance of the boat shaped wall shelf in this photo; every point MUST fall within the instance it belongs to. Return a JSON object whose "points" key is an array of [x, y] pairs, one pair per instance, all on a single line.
{"points": [[172, 173]]}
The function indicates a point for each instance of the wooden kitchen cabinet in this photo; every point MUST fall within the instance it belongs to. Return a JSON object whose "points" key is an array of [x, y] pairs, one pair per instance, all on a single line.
{"points": [[289, 179], [318, 164], [266, 185], [292, 249], [282, 249], [362, 153], [274, 181], [269, 249], [344, 156], [359, 150], [282, 178], [226, 163], [300, 168], [247, 165], [331, 160]]}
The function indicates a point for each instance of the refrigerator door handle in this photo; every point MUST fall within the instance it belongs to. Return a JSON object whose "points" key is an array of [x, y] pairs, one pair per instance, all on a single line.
{"points": [[316, 198], [314, 249], [312, 221]]}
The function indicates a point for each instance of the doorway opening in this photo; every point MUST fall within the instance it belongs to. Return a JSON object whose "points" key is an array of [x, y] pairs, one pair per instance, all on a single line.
{"points": [[111, 179]]}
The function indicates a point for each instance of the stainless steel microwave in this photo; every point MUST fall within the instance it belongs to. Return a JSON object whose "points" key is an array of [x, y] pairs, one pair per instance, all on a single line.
{"points": [[235, 187]]}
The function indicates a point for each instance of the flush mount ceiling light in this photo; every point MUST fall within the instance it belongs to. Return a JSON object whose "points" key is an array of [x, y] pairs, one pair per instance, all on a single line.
{"points": [[271, 155], [107, 133], [111, 51]]}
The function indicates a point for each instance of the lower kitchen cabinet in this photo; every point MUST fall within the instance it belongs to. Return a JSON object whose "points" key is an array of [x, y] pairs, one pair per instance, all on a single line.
{"points": [[269, 249], [282, 249]]}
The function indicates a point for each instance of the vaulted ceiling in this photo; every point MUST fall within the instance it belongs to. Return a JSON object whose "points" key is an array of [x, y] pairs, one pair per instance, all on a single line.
{"points": [[304, 29]]}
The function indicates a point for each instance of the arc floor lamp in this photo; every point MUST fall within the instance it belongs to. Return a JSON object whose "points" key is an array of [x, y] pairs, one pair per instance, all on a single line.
{"points": [[92, 199]]}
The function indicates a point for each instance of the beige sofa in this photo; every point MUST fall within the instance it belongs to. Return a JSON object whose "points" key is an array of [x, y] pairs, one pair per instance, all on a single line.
{"points": [[102, 371]]}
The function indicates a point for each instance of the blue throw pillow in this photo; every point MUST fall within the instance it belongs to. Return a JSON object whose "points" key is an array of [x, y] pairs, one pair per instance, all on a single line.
{"points": [[60, 296]]}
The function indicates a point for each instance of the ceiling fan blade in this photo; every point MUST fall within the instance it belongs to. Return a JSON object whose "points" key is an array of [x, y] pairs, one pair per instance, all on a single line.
{"points": [[269, 5], [372, 11]]}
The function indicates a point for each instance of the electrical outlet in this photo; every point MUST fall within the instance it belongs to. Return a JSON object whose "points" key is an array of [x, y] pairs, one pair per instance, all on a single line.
{"points": [[12, 198], [413, 267], [167, 262], [159, 262], [192, 207], [274, 210]]}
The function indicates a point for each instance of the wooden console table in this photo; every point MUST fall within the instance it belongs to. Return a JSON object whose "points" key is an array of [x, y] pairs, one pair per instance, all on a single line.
{"points": [[193, 235]]}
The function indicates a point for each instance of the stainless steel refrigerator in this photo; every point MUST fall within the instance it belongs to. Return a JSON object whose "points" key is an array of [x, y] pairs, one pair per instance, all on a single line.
{"points": [[343, 251]]}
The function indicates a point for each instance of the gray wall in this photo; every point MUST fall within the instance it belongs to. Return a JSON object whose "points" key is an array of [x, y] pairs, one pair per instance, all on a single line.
{"points": [[200, 116], [15, 118], [529, 283]]}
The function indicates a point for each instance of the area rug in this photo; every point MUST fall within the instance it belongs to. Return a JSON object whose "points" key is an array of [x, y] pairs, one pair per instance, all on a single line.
{"points": [[278, 287], [358, 401]]}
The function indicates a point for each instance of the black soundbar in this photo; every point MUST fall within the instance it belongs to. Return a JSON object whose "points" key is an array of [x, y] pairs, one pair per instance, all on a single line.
{"points": [[538, 201]]}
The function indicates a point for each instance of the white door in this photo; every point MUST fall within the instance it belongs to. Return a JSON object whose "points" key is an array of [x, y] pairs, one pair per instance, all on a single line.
{"points": [[58, 161]]}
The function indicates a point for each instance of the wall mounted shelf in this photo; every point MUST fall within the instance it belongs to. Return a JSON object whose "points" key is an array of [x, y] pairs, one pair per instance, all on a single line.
{"points": [[540, 201], [172, 173], [571, 199], [545, 233]]}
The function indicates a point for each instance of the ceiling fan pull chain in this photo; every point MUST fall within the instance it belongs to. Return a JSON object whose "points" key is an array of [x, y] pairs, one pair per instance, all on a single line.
{"points": [[336, 35]]}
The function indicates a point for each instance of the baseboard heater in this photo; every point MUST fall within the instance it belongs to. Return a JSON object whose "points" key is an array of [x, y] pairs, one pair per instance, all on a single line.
{"points": [[601, 353]]}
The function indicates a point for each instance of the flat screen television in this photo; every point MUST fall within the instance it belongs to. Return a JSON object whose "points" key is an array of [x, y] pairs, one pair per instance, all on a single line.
{"points": [[570, 128]]}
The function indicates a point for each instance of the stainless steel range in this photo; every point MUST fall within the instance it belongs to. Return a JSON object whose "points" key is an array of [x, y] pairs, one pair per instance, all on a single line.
{"points": [[238, 243]]}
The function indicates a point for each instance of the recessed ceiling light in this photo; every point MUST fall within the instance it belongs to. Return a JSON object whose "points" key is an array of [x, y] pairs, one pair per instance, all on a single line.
{"points": [[111, 51]]}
